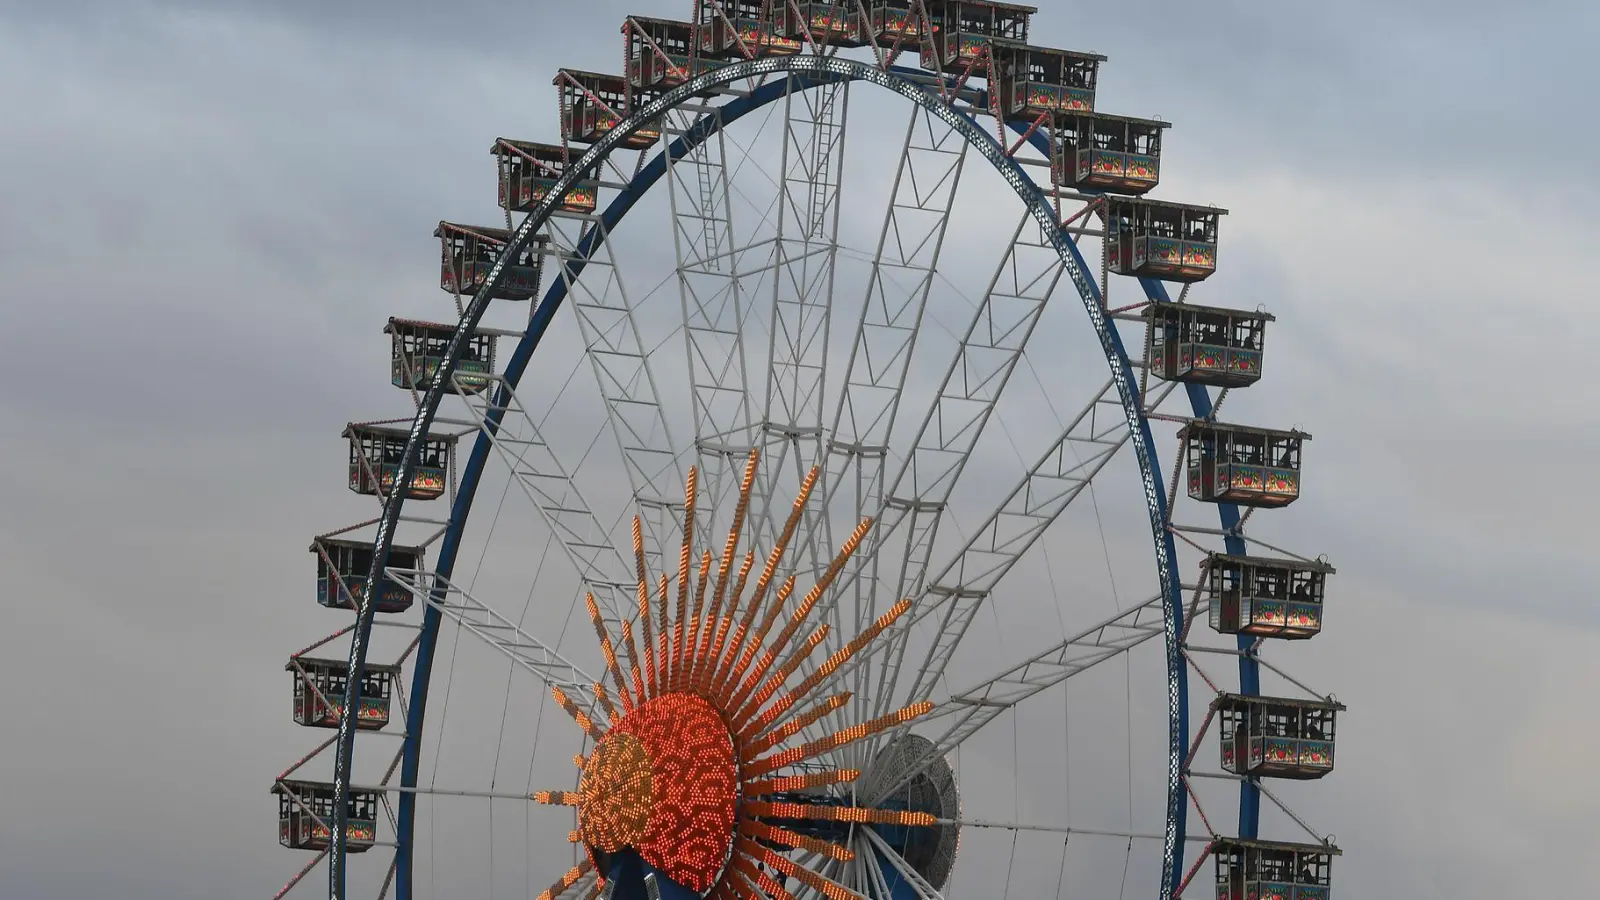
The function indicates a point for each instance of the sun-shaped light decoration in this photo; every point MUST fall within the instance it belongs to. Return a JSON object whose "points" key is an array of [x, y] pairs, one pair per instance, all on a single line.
{"points": [[696, 772]]}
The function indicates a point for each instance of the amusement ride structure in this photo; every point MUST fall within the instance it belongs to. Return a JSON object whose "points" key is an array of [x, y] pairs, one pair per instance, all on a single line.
{"points": [[787, 485]]}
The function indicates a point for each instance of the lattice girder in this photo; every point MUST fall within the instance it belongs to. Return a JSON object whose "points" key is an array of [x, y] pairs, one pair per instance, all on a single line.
{"points": [[459, 605], [549, 486], [607, 321], [968, 711]]}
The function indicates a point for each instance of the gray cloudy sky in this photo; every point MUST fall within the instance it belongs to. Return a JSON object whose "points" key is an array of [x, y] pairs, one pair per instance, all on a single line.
{"points": [[209, 207]]}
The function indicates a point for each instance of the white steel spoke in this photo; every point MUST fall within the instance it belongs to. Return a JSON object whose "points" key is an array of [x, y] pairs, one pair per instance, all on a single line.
{"points": [[909, 244], [1065, 829], [867, 862], [977, 376], [910, 876], [807, 247], [549, 486], [1084, 448], [611, 335], [965, 713], [805, 254], [712, 298], [482, 621]]}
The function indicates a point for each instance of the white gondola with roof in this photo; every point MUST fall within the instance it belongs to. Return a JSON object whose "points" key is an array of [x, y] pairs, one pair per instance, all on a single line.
{"points": [[529, 171], [1208, 345], [823, 23], [592, 104], [1266, 597], [342, 567], [306, 814], [962, 33], [320, 690], [417, 354], [1093, 151], [1271, 870], [1160, 239], [661, 53], [743, 29], [1242, 464], [469, 252], [376, 454], [894, 25], [1276, 737]]}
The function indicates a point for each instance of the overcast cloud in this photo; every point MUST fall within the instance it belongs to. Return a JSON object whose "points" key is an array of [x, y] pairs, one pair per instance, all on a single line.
{"points": [[210, 208]]}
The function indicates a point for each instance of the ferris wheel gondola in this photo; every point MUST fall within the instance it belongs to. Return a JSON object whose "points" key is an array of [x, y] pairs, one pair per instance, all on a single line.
{"points": [[768, 710]]}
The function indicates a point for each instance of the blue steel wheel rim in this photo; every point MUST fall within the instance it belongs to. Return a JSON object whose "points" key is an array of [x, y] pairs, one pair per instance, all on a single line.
{"points": [[804, 72]]}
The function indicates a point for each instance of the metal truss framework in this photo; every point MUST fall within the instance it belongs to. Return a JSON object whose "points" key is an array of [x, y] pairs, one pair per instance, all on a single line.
{"points": [[1084, 448], [480, 620], [904, 265], [609, 324], [966, 400], [712, 295], [336, 868], [971, 709], [351, 598], [548, 484], [804, 263]]}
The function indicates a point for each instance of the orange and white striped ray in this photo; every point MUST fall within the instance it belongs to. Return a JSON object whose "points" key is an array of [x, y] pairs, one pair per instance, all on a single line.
{"points": [[663, 637], [800, 655], [604, 699], [708, 670], [690, 494], [714, 616], [578, 715], [765, 579], [790, 783], [573, 876], [859, 815], [801, 613], [754, 641], [633, 662], [648, 634], [836, 740], [686, 668], [786, 838], [691, 649], [794, 726], [833, 890], [773, 648], [557, 798], [775, 711], [609, 653]]}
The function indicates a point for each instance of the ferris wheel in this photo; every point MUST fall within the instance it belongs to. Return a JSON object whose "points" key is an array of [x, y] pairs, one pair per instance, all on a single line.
{"points": [[784, 512]]}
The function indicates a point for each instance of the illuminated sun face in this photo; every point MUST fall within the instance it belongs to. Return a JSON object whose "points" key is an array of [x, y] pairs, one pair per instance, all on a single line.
{"points": [[694, 771], [664, 781]]}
